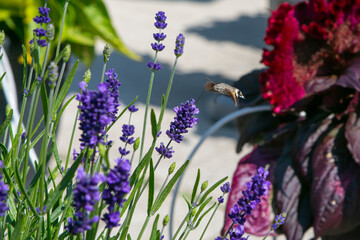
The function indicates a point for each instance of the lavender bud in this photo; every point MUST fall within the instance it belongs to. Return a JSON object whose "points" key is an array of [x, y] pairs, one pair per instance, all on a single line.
{"points": [[87, 76], [8, 109], [136, 144], [166, 220], [67, 53], [204, 186], [50, 31], [102, 150], [172, 168], [53, 74], [107, 52]]}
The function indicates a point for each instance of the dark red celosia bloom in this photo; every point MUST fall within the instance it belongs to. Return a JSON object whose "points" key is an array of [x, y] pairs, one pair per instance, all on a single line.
{"points": [[278, 83], [315, 38]]}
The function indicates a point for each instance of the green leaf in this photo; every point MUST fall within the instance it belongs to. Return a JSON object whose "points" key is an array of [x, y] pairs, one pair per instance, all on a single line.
{"points": [[201, 207], [17, 233], [212, 189], [168, 187], [44, 100], [203, 215], [151, 187], [62, 111], [56, 155], [142, 164], [187, 202], [67, 179], [129, 237], [196, 185], [131, 196], [5, 124], [154, 228], [25, 66], [3, 151], [99, 22], [65, 88], [12, 208], [154, 128]]}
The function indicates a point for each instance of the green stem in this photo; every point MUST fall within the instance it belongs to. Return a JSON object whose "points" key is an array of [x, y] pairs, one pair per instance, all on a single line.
{"points": [[103, 73], [71, 141], [143, 227], [223, 237], [208, 223], [61, 28], [167, 93], [267, 234], [182, 223], [59, 80], [147, 109]]}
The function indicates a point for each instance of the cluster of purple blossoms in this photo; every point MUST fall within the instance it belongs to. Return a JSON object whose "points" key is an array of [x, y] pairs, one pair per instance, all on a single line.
{"points": [[41, 32], [184, 119], [85, 195], [225, 189], [95, 114], [3, 194], [113, 87], [279, 220], [179, 45], [128, 130], [118, 186], [257, 187], [133, 109], [157, 46], [165, 151]]}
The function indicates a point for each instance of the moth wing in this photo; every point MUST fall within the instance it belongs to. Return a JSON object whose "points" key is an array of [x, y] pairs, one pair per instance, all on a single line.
{"points": [[209, 86]]}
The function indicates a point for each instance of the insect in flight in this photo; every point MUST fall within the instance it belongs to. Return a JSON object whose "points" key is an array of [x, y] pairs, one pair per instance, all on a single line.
{"points": [[224, 89]]}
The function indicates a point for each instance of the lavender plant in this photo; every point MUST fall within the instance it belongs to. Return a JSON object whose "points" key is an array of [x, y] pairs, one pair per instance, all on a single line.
{"points": [[93, 197]]}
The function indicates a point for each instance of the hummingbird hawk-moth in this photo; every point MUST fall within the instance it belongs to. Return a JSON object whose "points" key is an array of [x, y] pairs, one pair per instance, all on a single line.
{"points": [[224, 89]]}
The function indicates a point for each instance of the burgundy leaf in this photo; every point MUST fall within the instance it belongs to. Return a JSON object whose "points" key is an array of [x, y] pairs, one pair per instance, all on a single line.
{"points": [[291, 197], [261, 219], [304, 142], [335, 191], [352, 132], [350, 79], [319, 84]]}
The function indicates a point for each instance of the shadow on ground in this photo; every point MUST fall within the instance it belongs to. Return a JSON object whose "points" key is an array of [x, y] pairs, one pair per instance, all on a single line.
{"points": [[135, 79], [245, 30]]}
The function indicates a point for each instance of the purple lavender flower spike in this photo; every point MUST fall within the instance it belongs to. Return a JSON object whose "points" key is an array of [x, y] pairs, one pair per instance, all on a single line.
{"points": [[86, 194], [41, 32], [113, 87], [95, 114], [165, 151], [128, 130], [221, 199], [179, 45], [226, 188], [3, 194], [118, 186], [184, 119], [256, 188], [279, 220], [160, 20]]}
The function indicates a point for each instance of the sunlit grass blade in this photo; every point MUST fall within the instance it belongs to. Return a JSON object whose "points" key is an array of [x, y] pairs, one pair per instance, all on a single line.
{"points": [[168, 187]]}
